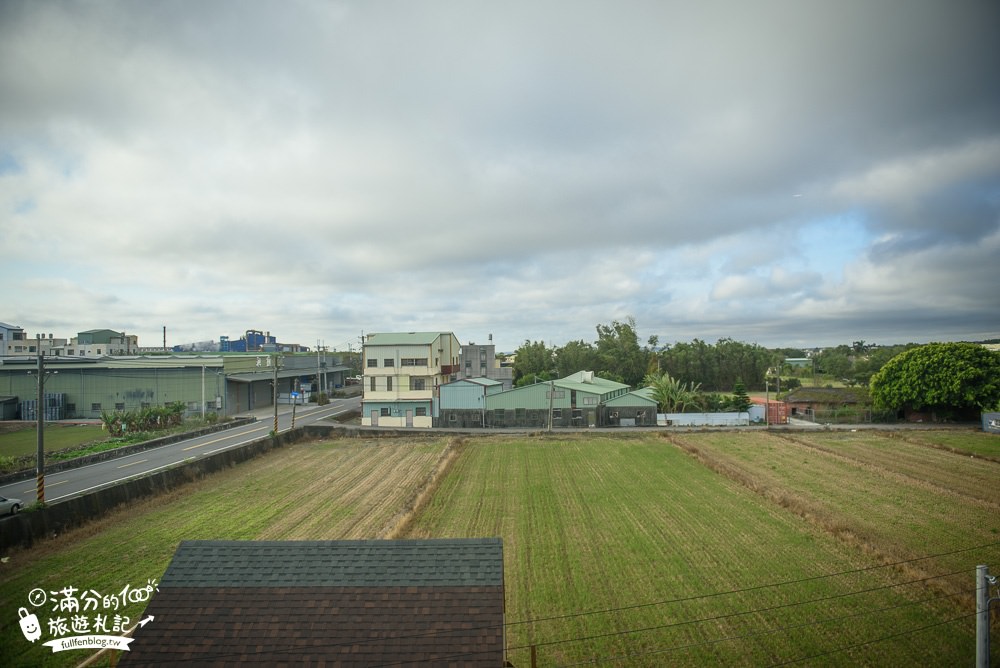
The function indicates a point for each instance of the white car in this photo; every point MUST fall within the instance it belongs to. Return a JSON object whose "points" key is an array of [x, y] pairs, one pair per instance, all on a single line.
{"points": [[9, 506]]}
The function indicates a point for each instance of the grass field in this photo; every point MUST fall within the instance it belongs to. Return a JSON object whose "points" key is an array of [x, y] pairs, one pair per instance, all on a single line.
{"points": [[56, 437], [744, 548]]}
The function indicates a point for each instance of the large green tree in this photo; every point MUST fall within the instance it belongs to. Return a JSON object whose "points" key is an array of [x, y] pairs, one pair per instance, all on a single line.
{"points": [[575, 356], [718, 367], [619, 353], [533, 361], [948, 379]]}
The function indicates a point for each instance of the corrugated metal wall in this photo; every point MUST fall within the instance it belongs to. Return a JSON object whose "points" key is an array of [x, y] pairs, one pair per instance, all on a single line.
{"points": [[89, 391]]}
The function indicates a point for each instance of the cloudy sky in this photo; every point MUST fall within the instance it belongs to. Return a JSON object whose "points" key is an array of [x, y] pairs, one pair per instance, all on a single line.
{"points": [[787, 172]]}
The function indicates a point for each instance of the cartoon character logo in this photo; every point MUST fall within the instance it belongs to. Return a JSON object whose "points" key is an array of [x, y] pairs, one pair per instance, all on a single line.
{"points": [[29, 625]]}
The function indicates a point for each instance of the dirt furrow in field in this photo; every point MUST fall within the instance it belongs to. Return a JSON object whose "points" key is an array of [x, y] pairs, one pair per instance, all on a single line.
{"points": [[980, 493], [966, 443], [354, 493], [399, 524], [855, 515]]}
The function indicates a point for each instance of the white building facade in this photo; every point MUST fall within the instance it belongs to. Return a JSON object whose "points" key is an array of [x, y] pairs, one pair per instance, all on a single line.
{"points": [[401, 376]]}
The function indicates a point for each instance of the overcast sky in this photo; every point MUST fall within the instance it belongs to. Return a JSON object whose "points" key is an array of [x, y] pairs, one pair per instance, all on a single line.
{"points": [[791, 173]]}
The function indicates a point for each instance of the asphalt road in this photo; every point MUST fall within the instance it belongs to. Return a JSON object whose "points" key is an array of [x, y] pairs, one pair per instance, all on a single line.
{"points": [[78, 481]]}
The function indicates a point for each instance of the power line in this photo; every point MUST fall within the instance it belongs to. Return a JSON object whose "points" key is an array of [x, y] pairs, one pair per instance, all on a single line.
{"points": [[738, 614], [876, 640], [783, 629], [293, 650], [686, 599]]}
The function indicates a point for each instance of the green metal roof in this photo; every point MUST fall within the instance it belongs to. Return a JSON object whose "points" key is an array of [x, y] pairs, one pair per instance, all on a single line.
{"points": [[478, 380], [143, 362], [640, 397]]}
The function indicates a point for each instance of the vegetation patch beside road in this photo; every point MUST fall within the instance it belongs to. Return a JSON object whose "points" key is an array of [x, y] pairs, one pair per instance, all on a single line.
{"points": [[745, 548]]}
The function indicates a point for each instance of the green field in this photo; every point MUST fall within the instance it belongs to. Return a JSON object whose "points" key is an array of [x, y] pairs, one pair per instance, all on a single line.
{"points": [[55, 437], [745, 548]]}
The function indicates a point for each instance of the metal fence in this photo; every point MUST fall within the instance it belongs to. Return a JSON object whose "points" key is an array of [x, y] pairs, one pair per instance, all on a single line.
{"points": [[845, 415]]}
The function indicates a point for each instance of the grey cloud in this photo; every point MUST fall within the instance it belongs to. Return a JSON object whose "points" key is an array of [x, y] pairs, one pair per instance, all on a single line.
{"points": [[578, 161]]}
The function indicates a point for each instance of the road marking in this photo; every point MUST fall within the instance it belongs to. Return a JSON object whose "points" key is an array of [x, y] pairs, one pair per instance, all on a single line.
{"points": [[133, 463], [47, 485], [202, 445], [265, 427]]}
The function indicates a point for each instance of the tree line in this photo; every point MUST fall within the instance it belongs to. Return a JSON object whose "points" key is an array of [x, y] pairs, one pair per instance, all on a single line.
{"points": [[617, 354]]}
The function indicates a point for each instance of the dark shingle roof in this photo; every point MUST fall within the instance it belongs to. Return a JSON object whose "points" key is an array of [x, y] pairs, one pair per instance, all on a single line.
{"points": [[827, 395], [340, 563], [345, 603]]}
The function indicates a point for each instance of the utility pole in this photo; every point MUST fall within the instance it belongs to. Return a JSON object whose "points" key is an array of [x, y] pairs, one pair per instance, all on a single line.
{"points": [[983, 582], [552, 391], [40, 416], [319, 369], [767, 402], [274, 385]]}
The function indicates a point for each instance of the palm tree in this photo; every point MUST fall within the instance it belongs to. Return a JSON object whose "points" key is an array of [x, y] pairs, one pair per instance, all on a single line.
{"points": [[111, 422], [672, 396]]}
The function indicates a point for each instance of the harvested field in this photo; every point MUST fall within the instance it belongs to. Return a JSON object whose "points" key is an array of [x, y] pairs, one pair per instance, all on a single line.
{"points": [[625, 550], [308, 491], [700, 548], [891, 498]]}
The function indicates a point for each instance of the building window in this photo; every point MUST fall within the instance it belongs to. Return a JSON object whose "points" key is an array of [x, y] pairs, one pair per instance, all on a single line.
{"points": [[452, 417], [590, 401], [372, 383], [413, 361], [372, 362], [120, 406], [498, 415], [422, 412], [95, 407], [388, 384], [417, 384], [384, 412], [70, 409], [556, 413], [388, 362], [577, 414]]}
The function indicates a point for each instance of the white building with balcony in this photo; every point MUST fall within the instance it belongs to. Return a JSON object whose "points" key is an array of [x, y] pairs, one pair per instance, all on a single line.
{"points": [[13, 341], [402, 374]]}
